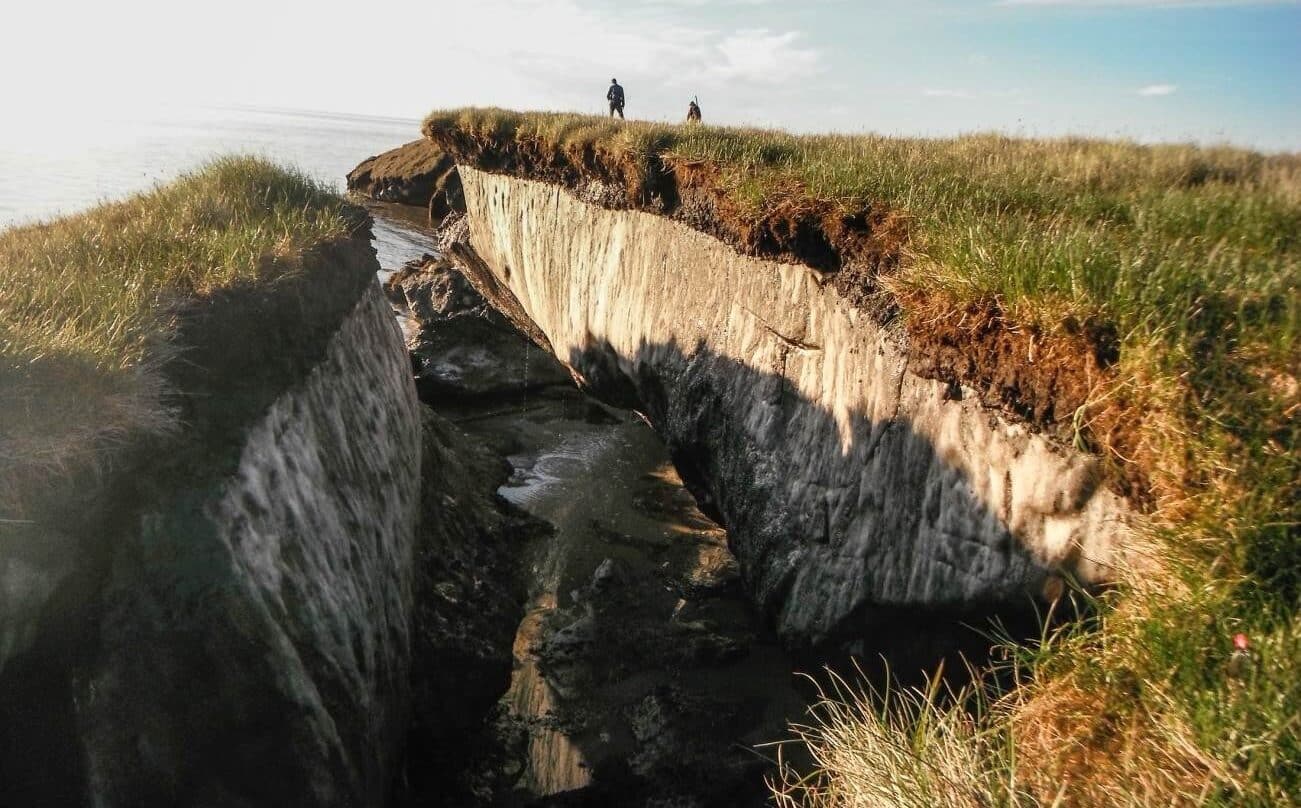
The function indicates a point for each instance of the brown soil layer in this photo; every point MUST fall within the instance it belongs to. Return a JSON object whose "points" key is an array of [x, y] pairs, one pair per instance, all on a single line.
{"points": [[814, 232], [1047, 377], [1053, 381]]}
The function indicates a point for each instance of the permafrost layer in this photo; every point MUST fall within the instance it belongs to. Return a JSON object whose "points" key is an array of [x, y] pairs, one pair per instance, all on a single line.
{"points": [[851, 486], [256, 629], [232, 623]]}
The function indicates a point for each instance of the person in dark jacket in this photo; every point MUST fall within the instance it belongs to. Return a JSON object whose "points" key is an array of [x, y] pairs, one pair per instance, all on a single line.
{"points": [[615, 97], [693, 111]]}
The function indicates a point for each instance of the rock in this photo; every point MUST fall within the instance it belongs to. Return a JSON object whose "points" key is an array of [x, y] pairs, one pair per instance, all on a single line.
{"points": [[417, 173], [396, 283], [465, 348], [607, 575], [455, 229], [469, 597]]}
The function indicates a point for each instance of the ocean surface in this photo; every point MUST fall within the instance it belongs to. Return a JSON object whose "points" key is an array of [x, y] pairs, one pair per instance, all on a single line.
{"points": [[50, 167]]}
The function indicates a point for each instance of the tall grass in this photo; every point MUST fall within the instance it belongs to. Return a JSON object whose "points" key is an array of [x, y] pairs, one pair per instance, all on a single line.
{"points": [[1193, 256], [88, 303], [904, 748], [1129, 709]]}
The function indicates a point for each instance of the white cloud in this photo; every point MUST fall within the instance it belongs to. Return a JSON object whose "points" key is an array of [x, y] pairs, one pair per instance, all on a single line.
{"points": [[704, 3], [535, 54], [762, 56], [1158, 89], [960, 94]]}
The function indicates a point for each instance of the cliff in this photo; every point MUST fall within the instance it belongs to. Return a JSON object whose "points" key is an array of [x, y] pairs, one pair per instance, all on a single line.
{"points": [[855, 490], [1100, 319], [219, 612]]}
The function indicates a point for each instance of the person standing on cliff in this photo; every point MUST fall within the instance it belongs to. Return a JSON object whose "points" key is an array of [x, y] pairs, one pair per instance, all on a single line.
{"points": [[615, 96]]}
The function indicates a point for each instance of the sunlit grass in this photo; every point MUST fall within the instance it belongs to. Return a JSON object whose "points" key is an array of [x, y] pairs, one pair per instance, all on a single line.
{"points": [[87, 302]]}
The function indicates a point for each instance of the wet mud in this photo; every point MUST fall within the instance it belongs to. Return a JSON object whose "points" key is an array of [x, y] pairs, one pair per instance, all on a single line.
{"points": [[641, 674]]}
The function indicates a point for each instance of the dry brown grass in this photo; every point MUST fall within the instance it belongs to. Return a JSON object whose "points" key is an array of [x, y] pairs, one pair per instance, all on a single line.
{"points": [[1086, 752], [410, 160]]}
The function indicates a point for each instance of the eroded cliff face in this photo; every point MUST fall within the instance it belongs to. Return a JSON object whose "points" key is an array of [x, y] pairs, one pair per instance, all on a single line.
{"points": [[236, 625], [854, 489], [255, 627]]}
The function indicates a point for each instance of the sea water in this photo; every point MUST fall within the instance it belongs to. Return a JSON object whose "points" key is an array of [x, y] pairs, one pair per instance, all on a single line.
{"points": [[50, 166]]}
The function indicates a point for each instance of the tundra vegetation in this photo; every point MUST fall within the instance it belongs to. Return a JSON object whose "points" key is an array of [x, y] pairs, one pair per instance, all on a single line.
{"points": [[1185, 259], [88, 306]]}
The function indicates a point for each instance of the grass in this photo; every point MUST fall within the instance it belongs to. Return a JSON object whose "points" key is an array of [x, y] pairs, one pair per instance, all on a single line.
{"points": [[406, 161], [88, 305], [901, 748], [1135, 709], [1192, 257]]}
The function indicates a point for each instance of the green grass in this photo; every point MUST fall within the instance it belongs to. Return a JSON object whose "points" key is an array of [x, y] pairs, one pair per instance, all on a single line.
{"points": [[1193, 255], [88, 303]]}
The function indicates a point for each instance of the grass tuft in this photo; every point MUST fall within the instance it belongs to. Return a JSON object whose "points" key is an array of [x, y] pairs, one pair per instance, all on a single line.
{"points": [[898, 747]]}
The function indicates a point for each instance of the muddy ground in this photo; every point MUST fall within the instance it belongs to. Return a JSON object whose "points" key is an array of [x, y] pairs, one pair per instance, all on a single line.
{"points": [[640, 673]]}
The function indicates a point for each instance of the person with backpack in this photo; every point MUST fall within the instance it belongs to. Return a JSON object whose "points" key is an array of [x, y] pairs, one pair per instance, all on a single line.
{"points": [[615, 96], [693, 111]]}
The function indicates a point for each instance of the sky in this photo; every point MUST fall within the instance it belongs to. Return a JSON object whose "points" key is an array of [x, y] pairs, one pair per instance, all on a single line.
{"points": [[1173, 70]]}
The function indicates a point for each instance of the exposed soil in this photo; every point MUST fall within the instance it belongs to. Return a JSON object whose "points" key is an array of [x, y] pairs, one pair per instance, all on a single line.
{"points": [[1046, 377], [416, 173], [642, 675], [1043, 378], [817, 233]]}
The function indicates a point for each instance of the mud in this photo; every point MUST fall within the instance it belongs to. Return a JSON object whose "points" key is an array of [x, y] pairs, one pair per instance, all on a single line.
{"points": [[641, 674]]}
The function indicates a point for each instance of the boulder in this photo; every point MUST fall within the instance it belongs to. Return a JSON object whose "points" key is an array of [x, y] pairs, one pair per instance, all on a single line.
{"points": [[465, 348]]}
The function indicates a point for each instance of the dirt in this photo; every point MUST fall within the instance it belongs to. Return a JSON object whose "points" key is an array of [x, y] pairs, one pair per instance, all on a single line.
{"points": [[642, 675], [416, 173], [817, 233], [589, 619]]}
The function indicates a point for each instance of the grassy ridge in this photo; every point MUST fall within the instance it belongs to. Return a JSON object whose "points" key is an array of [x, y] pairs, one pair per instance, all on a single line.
{"points": [[1193, 256], [87, 303], [1139, 232]]}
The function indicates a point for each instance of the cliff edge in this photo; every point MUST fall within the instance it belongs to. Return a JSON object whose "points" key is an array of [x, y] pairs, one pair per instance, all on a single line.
{"points": [[209, 600]]}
